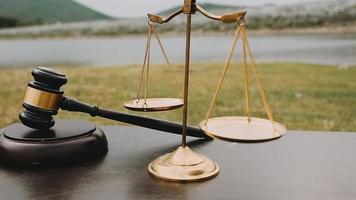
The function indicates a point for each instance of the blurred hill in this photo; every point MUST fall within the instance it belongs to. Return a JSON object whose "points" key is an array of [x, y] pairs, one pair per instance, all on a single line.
{"points": [[271, 16], [30, 12], [332, 15]]}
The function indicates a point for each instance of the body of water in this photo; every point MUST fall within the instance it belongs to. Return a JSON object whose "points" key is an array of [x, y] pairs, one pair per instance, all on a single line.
{"points": [[322, 49]]}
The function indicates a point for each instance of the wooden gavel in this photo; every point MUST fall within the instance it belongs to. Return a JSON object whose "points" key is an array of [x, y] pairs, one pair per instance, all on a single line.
{"points": [[44, 97]]}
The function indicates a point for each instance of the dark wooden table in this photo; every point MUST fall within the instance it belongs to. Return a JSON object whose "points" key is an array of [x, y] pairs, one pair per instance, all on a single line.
{"points": [[301, 165]]}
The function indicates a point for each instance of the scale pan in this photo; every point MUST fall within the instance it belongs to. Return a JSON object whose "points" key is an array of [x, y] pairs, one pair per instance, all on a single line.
{"points": [[154, 104], [238, 128]]}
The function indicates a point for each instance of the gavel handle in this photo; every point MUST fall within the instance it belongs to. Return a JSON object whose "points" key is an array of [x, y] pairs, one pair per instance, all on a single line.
{"points": [[156, 124]]}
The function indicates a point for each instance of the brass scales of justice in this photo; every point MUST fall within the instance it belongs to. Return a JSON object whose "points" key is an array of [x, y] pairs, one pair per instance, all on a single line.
{"points": [[184, 165]]}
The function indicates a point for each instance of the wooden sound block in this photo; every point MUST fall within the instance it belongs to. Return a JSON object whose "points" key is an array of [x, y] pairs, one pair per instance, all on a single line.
{"points": [[67, 141]]}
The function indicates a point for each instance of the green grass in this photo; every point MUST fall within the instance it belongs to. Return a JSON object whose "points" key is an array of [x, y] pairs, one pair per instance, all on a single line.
{"points": [[302, 96]]}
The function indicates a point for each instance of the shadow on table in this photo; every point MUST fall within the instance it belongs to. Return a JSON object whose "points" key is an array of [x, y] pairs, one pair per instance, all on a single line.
{"points": [[44, 182]]}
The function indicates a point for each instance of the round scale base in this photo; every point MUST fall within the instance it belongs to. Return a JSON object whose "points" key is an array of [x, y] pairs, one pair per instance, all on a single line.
{"points": [[238, 128], [67, 141], [183, 165], [154, 104]]}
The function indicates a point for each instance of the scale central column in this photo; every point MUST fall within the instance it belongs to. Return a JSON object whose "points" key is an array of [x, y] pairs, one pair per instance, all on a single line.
{"points": [[186, 79]]}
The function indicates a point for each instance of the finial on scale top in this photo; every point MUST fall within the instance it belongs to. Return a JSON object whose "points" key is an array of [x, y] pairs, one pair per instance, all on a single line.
{"points": [[190, 7]]}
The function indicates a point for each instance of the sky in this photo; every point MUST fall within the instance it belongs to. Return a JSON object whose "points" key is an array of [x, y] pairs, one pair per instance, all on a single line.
{"points": [[138, 8]]}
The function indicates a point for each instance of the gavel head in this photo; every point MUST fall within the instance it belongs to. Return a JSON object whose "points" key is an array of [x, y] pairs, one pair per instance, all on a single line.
{"points": [[42, 98]]}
